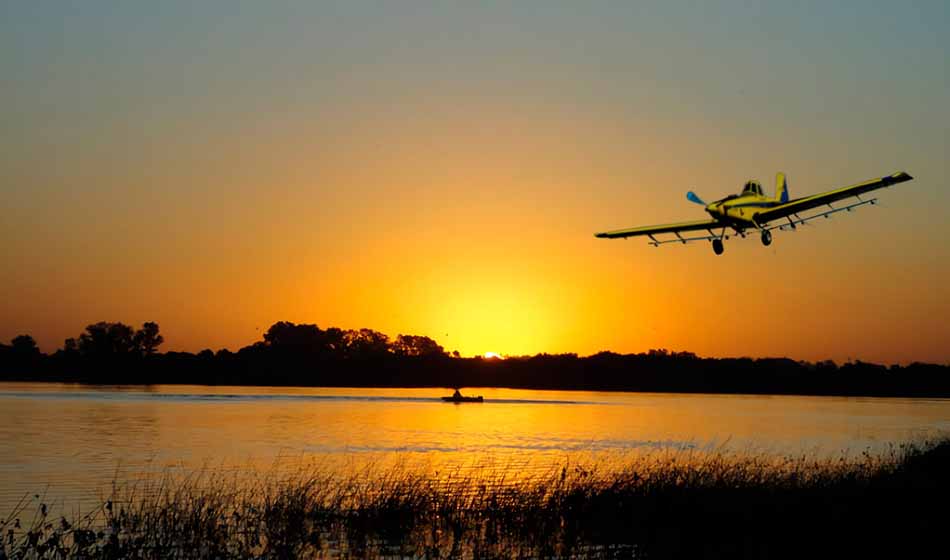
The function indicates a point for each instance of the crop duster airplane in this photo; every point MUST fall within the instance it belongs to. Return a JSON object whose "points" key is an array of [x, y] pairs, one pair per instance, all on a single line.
{"points": [[752, 210]]}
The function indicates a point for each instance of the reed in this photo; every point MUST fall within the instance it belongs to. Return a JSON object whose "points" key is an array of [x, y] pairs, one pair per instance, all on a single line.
{"points": [[663, 505]]}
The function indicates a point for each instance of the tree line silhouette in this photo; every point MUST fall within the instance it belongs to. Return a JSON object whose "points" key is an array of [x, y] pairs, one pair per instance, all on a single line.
{"points": [[306, 355]]}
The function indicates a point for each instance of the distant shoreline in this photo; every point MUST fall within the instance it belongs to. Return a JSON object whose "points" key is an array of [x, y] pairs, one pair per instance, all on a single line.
{"points": [[293, 355], [750, 377]]}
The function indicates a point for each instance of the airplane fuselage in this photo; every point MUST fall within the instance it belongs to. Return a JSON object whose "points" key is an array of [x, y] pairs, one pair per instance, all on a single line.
{"points": [[739, 210]]}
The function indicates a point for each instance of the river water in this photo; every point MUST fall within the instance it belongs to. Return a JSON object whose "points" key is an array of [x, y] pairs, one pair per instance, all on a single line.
{"points": [[68, 443]]}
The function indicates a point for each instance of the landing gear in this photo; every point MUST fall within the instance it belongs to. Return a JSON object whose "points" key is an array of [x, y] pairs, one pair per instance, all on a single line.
{"points": [[766, 237], [717, 246]]}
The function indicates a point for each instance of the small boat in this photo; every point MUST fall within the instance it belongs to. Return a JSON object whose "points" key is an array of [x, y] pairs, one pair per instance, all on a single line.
{"points": [[458, 399]]}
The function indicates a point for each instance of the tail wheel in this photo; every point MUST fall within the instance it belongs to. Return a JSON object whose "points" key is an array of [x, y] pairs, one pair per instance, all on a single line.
{"points": [[766, 238], [718, 247]]}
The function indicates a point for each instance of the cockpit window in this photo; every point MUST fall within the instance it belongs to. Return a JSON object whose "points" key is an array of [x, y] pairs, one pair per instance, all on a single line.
{"points": [[752, 187]]}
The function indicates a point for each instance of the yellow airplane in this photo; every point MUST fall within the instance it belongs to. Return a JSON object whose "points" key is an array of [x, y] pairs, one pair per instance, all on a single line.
{"points": [[753, 210]]}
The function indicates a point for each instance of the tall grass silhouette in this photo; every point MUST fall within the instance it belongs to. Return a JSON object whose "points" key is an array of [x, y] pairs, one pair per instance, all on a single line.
{"points": [[661, 505]]}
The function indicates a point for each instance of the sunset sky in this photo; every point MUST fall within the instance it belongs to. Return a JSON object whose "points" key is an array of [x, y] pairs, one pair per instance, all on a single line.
{"points": [[439, 168]]}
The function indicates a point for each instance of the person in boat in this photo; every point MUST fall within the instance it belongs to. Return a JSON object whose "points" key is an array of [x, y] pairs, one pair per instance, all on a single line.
{"points": [[456, 394]]}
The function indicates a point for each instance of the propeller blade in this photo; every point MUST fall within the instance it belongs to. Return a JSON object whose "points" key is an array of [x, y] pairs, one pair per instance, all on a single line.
{"points": [[691, 196]]}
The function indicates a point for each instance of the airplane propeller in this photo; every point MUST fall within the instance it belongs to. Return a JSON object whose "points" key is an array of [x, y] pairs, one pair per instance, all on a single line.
{"points": [[691, 196]]}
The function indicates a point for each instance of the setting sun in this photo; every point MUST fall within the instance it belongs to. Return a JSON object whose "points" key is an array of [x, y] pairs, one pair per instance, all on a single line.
{"points": [[493, 356]]}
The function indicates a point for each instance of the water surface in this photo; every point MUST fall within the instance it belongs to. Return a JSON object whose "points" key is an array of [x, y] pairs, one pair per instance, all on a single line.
{"points": [[70, 442]]}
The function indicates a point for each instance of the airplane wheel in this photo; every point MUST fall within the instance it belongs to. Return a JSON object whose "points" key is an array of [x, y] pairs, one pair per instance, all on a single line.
{"points": [[766, 238], [717, 246]]}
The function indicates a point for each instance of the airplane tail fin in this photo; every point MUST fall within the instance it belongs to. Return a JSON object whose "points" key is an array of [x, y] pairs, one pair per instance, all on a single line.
{"points": [[781, 188]]}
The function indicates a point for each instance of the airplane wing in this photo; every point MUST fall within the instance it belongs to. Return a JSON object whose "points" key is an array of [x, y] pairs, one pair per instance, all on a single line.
{"points": [[826, 198], [649, 231]]}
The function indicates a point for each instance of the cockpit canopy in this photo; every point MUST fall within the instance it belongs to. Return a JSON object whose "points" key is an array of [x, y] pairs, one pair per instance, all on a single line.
{"points": [[752, 187]]}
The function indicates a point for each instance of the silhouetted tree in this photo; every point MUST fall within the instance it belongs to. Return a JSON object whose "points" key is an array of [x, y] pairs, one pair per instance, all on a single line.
{"points": [[286, 334], [147, 340], [22, 357], [366, 343], [24, 345], [304, 340], [104, 339], [335, 341], [411, 345]]}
